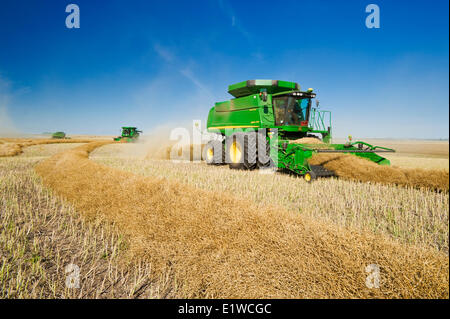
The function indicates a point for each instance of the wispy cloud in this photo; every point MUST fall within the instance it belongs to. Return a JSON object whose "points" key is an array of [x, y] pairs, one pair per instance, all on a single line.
{"points": [[170, 58], [164, 53], [227, 9], [160, 102], [188, 74]]}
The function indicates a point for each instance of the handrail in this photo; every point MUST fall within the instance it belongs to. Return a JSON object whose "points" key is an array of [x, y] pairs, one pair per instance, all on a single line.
{"points": [[371, 147], [318, 121]]}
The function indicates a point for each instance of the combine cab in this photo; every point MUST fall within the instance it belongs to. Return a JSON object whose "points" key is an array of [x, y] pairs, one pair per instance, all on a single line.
{"points": [[274, 123], [129, 134]]}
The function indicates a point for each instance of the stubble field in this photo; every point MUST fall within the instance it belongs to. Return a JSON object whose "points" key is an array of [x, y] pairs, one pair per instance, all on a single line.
{"points": [[270, 215]]}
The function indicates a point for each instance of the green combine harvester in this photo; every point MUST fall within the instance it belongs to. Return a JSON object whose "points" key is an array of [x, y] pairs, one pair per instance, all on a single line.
{"points": [[129, 134], [264, 124], [59, 135]]}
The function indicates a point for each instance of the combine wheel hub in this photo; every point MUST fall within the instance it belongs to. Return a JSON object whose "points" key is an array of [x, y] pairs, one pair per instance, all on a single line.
{"points": [[310, 176], [235, 152]]}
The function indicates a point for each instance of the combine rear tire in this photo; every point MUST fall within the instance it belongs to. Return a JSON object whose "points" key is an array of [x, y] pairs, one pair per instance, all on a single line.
{"points": [[214, 153], [241, 151], [310, 176]]}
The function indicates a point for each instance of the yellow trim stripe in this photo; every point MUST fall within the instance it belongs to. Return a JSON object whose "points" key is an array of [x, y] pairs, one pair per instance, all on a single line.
{"points": [[238, 126]]}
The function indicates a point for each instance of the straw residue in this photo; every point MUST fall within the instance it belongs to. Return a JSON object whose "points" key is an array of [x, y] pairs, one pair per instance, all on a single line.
{"points": [[215, 245], [307, 140], [356, 168]]}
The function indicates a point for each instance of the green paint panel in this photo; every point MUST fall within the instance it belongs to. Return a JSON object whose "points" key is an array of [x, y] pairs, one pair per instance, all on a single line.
{"points": [[237, 104]]}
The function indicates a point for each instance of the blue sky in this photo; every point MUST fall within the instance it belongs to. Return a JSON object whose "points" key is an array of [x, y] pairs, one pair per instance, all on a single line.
{"points": [[153, 63]]}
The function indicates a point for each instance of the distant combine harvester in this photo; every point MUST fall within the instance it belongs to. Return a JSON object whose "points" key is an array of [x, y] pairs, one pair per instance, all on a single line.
{"points": [[129, 134], [59, 135]]}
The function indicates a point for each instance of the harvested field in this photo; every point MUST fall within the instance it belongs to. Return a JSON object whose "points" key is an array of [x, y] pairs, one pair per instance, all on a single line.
{"points": [[9, 149], [418, 161], [430, 148], [406, 214], [168, 150], [40, 235], [46, 150], [160, 149], [345, 166], [214, 245], [14, 146], [417, 154]]}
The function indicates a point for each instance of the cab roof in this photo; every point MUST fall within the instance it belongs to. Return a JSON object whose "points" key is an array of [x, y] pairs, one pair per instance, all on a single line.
{"points": [[255, 86]]}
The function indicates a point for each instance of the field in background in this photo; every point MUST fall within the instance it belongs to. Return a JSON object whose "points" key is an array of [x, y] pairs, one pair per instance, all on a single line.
{"points": [[418, 154], [46, 150], [418, 161], [48, 136], [15, 146], [431, 148], [94, 137], [414, 153]]}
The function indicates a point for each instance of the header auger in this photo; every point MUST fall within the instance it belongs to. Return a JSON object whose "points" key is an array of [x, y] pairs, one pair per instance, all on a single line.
{"points": [[273, 123]]}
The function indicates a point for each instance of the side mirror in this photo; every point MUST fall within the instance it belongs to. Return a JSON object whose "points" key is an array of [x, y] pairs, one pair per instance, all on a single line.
{"points": [[317, 103]]}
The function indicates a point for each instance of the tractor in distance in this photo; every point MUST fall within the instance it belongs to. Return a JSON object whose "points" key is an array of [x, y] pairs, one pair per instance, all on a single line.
{"points": [[129, 134], [59, 135], [271, 123]]}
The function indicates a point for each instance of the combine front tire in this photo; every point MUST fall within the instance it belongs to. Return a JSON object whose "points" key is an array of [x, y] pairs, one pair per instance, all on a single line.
{"points": [[235, 151], [214, 153]]}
